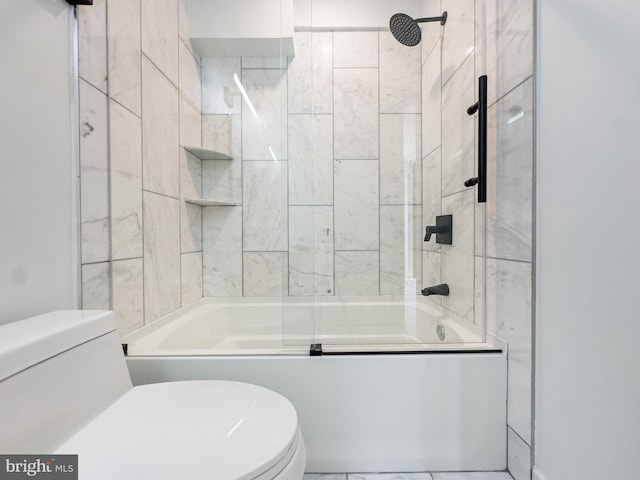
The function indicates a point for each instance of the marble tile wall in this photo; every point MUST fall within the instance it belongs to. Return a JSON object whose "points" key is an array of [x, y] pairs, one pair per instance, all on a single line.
{"points": [[140, 104], [492, 38], [328, 176]]}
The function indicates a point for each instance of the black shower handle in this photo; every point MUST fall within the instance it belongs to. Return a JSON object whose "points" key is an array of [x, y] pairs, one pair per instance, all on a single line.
{"points": [[481, 107]]}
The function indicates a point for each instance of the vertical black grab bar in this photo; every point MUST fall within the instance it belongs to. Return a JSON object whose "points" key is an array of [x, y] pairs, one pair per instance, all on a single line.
{"points": [[481, 108]]}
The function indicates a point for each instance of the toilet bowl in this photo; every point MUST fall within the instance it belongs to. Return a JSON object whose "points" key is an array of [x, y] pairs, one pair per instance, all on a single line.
{"points": [[65, 390]]}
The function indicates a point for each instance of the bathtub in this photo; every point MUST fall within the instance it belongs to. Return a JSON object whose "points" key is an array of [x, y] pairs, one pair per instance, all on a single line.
{"points": [[387, 393]]}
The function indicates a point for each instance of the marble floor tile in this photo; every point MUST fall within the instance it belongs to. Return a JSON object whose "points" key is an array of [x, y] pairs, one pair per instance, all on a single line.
{"points": [[389, 476], [472, 476]]}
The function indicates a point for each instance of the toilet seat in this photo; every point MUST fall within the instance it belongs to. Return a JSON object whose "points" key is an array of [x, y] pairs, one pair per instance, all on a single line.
{"points": [[208, 430]]}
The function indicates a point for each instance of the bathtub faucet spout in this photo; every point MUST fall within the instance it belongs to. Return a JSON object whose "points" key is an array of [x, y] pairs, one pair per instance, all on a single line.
{"points": [[442, 289]]}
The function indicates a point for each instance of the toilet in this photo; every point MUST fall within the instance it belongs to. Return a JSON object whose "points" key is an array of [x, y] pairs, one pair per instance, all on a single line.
{"points": [[65, 389]]}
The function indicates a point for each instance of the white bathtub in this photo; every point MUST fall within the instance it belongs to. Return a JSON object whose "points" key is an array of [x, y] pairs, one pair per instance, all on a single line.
{"points": [[249, 326], [440, 410]]}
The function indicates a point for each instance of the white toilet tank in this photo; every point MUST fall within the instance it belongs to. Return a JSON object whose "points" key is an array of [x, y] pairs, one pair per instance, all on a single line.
{"points": [[57, 372]]}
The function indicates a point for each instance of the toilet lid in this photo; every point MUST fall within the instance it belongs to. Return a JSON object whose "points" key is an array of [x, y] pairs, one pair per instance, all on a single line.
{"points": [[201, 429]]}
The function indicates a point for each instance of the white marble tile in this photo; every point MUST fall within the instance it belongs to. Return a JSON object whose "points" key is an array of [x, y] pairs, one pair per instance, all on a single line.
{"points": [[400, 76], [160, 35], [504, 44], [400, 249], [510, 175], [264, 195], [431, 194], [92, 44], [458, 259], [264, 62], [161, 255], [264, 135], [124, 53], [472, 476], [160, 132], [310, 73], [324, 476], [356, 205], [357, 273], [223, 133], [480, 273], [222, 251], [458, 129], [264, 274], [190, 227], [432, 102], [190, 124], [432, 272], [222, 179], [509, 316], [126, 183], [96, 286], [189, 76], [355, 49], [220, 94], [355, 107], [458, 40], [183, 23], [400, 162], [190, 215], [94, 174], [518, 457], [128, 294], [191, 277], [310, 160], [430, 35], [311, 251], [389, 476]]}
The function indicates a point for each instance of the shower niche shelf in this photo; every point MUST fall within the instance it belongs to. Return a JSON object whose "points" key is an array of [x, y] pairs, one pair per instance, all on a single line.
{"points": [[208, 153], [207, 202]]}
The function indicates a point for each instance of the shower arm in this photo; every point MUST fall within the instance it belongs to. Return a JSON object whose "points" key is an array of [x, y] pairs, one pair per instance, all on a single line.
{"points": [[442, 19]]}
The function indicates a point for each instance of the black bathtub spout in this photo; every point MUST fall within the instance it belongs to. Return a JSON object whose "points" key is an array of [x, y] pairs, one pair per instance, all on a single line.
{"points": [[442, 289]]}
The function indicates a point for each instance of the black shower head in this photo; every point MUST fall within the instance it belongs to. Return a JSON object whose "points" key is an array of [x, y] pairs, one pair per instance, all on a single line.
{"points": [[406, 30]]}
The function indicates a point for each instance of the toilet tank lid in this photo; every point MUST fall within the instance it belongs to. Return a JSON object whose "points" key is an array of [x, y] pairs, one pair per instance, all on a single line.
{"points": [[25, 343]]}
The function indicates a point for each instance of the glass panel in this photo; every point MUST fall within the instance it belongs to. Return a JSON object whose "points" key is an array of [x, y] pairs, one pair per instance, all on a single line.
{"points": [[370, 166]]}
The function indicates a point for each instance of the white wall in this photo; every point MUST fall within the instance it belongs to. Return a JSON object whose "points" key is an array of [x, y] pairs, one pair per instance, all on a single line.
{"points": [[588, 241], [37, 258]]}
